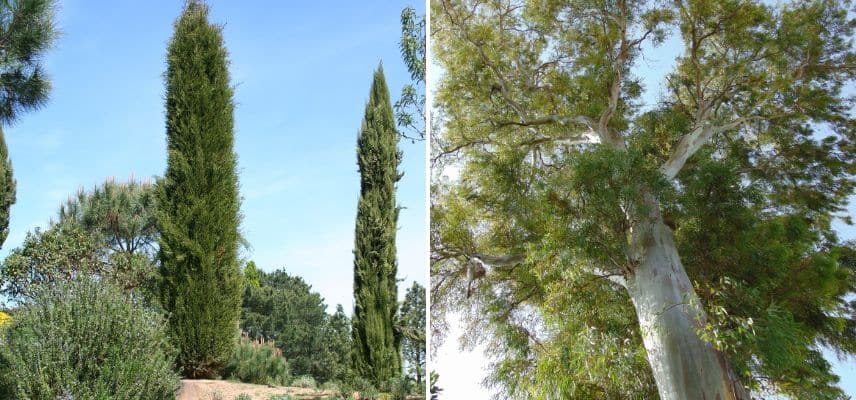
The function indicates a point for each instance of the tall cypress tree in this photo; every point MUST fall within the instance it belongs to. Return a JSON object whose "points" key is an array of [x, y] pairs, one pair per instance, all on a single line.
{"points": [[198, 204], [7, 188], [376, 343]]}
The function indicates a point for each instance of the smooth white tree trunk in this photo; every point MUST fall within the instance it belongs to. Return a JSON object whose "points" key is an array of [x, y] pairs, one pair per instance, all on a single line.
{"points": [[685, 367]]}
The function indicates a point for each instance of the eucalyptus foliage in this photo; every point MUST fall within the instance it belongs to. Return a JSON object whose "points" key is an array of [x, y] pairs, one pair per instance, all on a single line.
{"points": [[546, 156], [410, 106]]}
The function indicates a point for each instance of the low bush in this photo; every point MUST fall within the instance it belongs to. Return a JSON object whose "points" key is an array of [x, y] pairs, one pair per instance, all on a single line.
{"points": [[332, 386], [243, 396], [257, 362], [399, 387], [305, 381], [282, 397], [86, 339]]}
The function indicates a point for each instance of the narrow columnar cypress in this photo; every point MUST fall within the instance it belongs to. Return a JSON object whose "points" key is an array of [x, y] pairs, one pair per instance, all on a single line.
{"points": [[7, 188], [198, 200], [376, 343]]}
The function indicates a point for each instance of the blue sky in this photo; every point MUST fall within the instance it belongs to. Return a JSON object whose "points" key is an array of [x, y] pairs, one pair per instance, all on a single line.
{"points": [[302, 72]]}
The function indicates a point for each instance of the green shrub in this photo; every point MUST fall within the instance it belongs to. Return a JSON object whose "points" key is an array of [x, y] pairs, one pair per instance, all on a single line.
{"points": [[85, 339], [332, 386], [305, 381], [369, 392], [257, 362], [281, 397], [243, 396], [361, 385], [399, 387]]}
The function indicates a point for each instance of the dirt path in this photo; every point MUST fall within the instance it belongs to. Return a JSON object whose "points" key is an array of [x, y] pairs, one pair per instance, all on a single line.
{"points": [[204, 389]]}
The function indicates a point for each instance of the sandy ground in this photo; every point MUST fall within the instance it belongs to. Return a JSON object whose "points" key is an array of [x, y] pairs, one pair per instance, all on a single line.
{"points": [[204, 389]]}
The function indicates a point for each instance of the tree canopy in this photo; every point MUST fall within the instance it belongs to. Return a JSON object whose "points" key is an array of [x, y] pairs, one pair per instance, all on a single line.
{"points": [[106, 232], [551, 176]]}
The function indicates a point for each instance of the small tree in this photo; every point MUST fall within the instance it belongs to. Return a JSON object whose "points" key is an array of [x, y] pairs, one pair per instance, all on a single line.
{"points": [[120, 218], [251, 275], [336, 349], [198, 203], [412, 322]]}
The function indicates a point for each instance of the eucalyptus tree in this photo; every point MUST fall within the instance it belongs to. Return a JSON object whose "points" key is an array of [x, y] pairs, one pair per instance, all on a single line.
{"points": [[607, 248]]}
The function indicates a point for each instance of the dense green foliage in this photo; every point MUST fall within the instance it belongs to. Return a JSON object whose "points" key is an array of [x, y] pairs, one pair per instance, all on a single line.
{"points": [[284, 309], [410, 106], [258, 362], [251, 275], [86, 339], [305, 381], [120, 218], [335, 356], [747, 156], [198, 201], [56, 254], [107, 232], [412, 320], [27, 31], [376, 343]]}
